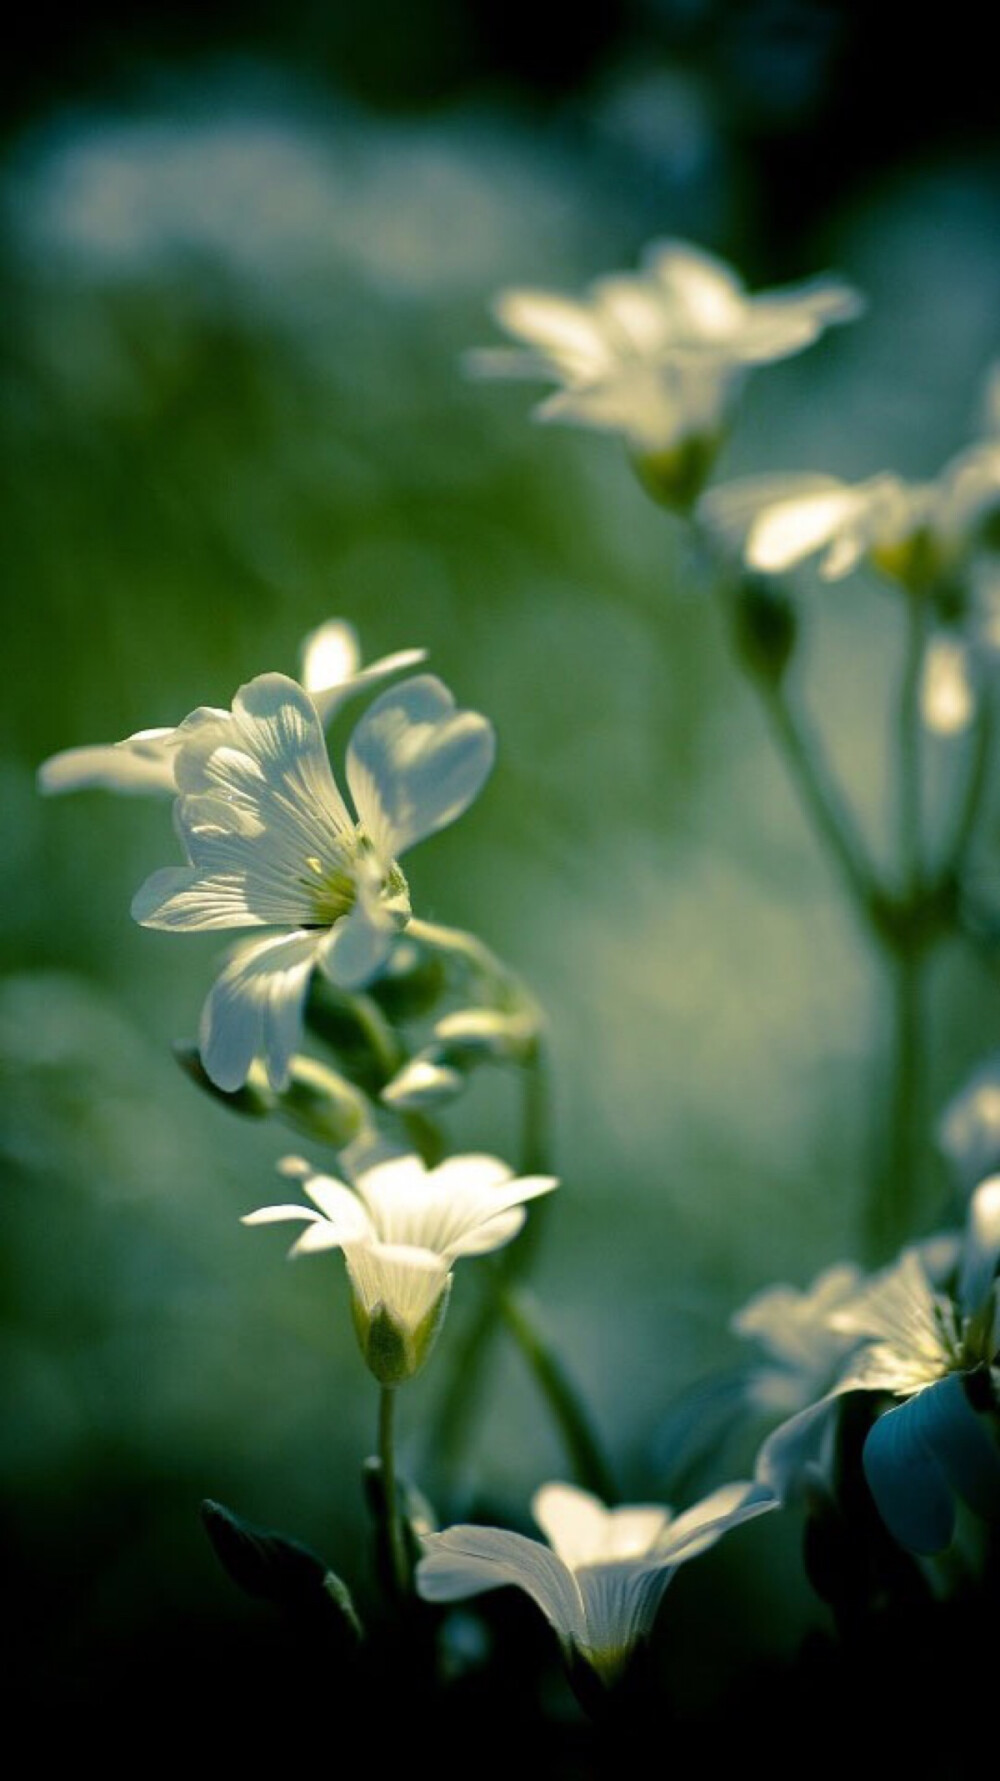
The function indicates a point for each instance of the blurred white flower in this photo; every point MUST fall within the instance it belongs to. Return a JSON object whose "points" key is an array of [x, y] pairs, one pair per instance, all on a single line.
{"points": [[401, 1227], [968, 1131], [795, 1331], [658, 356], [330, 671], [921, 1331], [272, 844], [920, 534], [601, 1578]]}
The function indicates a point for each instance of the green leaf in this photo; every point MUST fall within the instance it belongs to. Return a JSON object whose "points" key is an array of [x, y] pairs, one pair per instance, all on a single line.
{"points": [[273, 1568]]}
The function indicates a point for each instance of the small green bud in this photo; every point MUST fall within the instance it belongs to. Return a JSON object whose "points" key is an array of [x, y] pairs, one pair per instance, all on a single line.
{"points": [[422, 1083], [765, 626], [472, 1035]]}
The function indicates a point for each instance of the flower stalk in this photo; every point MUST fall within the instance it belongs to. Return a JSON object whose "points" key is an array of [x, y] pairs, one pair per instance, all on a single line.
{"points": [[398, 1556]]}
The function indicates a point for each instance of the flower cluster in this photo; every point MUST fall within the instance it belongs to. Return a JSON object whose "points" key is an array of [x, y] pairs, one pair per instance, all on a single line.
{"points": [[306, 866]]}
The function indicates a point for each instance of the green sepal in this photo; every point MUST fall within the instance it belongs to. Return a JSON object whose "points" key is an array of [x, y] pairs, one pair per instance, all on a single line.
{"points": [[675, 477], [384, 1346], [393, 1353]]}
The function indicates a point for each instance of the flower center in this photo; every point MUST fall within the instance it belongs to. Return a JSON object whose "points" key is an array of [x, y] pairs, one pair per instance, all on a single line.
{"points": [[331, 885]]}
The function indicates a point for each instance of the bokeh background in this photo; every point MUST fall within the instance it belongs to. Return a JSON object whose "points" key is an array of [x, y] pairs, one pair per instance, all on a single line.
{"points": [[241, 258]]}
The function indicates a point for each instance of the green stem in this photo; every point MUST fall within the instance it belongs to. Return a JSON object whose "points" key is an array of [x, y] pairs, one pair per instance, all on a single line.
{"points": [[387, 1455], [499, 1305], [583, 1449], [822, 802], [897, 1183], [909, 740], [896, 1186], [385, 1046], [463, 1392], [957, 853]]}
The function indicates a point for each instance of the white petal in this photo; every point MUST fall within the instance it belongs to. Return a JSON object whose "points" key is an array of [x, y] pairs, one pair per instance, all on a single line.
{"points": [[337, 1203], [705, 294], [331, 668], [142, 764], [415, 763], [464, 1561], [620, 1603], [329, 656], [357, 946], [575, 1523], [467, 1206], [479, 1223], [698, 1528], [280, 1215], [269, 760], [254, 1009], [900, 1310], [791, 531], [179, 898], [781, 1463], [794, 1327], [566, 331], [406, 1280]]}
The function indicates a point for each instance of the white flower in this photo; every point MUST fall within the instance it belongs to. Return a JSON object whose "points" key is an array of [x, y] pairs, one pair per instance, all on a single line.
{"points": [[658, 355], [330, 671], [921, 1342], [795, 1331], [601, 1578], [272, 844], [920, 534], [401, 1228]]}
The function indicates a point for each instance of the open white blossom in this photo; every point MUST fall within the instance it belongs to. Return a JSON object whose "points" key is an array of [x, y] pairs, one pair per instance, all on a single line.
{"points": [[659, 355], [271, 843], [602, 1576], [920, 534], [921, 1331], [330, 671], [401, 1227]]}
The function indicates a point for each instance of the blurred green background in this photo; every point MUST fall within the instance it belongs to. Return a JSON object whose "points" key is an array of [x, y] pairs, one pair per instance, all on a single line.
{"points": [[240, 262]]}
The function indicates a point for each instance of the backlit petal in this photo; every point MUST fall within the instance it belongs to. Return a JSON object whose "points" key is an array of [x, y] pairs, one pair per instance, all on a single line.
{"points": [[464, 1561], [254, 1009], [415, 763]]}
